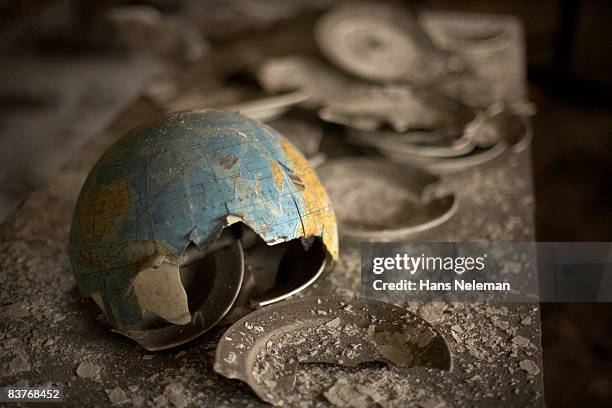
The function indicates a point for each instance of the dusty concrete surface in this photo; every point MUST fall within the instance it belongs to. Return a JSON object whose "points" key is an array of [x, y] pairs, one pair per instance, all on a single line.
{"points": [[52, 336]]}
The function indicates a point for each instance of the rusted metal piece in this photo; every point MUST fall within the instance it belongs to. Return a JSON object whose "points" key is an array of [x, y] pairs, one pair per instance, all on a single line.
{"points": [[266, 348], [168, 190]]}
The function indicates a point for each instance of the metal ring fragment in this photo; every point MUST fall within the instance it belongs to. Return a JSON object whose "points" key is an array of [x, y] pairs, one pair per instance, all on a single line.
{"points": [[268, 108], [211, 296], [419, 143], [483, 141], [398, 202], [347, 101], [266, 348]]}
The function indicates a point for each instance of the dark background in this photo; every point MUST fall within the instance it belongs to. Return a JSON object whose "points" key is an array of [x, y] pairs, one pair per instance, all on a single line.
{"points": [[569, 54]]}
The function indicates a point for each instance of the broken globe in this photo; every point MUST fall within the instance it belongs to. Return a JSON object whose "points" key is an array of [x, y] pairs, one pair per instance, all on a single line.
{"points": [[199, 216]]}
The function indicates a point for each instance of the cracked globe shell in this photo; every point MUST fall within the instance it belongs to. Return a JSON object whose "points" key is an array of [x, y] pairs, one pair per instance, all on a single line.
{"points": [[178, 184]]}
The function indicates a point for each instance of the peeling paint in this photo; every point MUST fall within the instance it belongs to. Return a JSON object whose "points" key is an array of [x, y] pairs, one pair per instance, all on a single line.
{"points": [[159, 290], [319, 218], [278, 176], [228, 161], [232, 219]]}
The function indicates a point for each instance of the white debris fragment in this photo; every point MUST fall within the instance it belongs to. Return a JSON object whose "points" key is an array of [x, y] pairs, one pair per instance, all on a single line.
{"points": [[175, 394], [333, 323], [500, 324], [344, 394], [456, 328], [257, 329], [432, 311], [88, 369], [231, 357], [117, 396], [456, 337], [529, 366], [138, 401], [520, 341], [58, 317]]}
